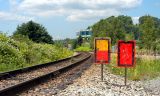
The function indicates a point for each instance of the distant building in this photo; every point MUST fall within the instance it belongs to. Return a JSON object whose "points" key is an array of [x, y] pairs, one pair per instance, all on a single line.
{"points": [[84, 33]]}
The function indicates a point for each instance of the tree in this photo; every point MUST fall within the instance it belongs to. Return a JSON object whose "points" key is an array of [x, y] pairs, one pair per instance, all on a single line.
{"points": [[147, 32], [35, 32], [74, 43], [149, 27], [114, 27], [80, 40]]}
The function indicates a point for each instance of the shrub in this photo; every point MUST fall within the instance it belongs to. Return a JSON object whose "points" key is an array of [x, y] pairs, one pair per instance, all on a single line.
{"points": [[19, 52]]}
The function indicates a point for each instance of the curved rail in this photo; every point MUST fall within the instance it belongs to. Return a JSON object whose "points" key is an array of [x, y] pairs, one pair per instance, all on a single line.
{"points": [[32, 82], [34, 67]]}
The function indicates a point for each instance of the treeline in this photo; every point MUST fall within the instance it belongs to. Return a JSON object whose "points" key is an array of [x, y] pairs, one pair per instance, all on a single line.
{"points": [[147, 32]]}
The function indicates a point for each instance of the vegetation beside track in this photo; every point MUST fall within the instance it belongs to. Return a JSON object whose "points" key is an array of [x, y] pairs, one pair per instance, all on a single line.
{"points": [[145, 68], [84, 47], [18, 52]]}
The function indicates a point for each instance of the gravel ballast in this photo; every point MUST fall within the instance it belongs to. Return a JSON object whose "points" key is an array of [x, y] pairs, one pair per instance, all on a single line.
{"points": [[153, 86], [90, 84], [54, 85]]}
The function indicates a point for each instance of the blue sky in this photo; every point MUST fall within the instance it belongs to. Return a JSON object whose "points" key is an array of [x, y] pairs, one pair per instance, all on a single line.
{"points": [[63, 18]]}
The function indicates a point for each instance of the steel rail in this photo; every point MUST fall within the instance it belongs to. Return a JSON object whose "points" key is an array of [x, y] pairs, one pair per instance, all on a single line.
{"points": [[34, 67], [13, 90]]}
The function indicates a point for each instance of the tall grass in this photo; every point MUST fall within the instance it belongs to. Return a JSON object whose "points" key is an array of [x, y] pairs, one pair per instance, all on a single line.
{"points": [[144, 69], [20, 52]]}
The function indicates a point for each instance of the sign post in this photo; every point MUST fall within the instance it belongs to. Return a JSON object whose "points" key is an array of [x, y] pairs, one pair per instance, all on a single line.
{"points": [[125, 82], [126, 55], [102, 71], [102, 52]]}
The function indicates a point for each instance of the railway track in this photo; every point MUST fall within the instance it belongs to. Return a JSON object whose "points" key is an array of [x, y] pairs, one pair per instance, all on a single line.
{"points": [[19, 80]]}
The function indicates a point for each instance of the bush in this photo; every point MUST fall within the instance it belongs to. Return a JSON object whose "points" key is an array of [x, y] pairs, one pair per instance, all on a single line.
{"points": [[19, 52]]}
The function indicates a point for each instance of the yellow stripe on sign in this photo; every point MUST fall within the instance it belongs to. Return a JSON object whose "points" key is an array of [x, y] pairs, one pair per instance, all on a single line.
{"points": [[102, 45]]}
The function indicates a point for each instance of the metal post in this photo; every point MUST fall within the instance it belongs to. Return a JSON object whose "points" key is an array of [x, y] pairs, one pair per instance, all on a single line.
{"points": [[125, 82], [102, 71]]}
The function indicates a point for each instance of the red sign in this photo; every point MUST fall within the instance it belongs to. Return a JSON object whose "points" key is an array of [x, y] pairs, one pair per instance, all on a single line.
{"points": [[102, 50], [126, 53]]}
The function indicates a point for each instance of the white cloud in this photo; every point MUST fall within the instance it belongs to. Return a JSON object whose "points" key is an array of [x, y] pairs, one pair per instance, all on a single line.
{"points": [[87, 3], [90, 14], [135, 20], [14, 17], [73, 10]]}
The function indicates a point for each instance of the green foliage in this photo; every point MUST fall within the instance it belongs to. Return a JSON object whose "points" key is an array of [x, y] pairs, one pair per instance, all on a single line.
{"points": [[79, 40], [74, 44], [115, 27], [35, 32], [18, 52], [149, 31], [84, 47], [69, 43]]}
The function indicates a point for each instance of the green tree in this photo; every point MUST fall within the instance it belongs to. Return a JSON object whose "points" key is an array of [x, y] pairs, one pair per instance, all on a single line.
{"points": [[149, 32], [80, 40], [35, 32], [114, 27], [74, 43]]}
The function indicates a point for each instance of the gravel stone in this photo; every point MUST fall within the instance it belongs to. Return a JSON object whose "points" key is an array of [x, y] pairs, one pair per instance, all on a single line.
{"points": [[153, 86], [90, 84]]}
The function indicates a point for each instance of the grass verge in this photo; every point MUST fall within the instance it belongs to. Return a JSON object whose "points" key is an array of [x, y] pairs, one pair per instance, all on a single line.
{"points": [[144, 69]]}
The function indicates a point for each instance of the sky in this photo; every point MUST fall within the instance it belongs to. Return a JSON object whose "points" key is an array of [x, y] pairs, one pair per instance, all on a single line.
{"points": [[63, 18]]}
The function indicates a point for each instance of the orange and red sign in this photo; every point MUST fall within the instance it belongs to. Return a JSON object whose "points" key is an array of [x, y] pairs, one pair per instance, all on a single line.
{"points": [[102, 50], [126, 53]]}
